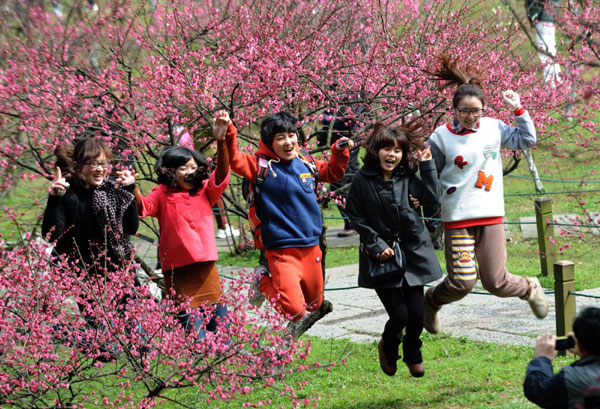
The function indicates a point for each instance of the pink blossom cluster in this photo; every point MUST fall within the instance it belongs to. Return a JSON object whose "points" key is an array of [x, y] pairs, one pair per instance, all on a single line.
{"points": [[66, 329]]}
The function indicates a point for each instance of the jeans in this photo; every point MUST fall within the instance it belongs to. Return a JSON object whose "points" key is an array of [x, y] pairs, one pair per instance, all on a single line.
{"points": [[196, 317]]}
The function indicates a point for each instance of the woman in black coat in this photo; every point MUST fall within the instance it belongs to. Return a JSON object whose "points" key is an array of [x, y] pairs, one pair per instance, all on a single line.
{"points": [[89, 216], [379, 207]]}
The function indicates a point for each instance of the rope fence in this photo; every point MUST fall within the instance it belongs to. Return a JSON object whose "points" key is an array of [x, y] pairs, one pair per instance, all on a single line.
{"points": [[564, 277], [437, 219], [581, 181], [563, 192], [583, 295]]}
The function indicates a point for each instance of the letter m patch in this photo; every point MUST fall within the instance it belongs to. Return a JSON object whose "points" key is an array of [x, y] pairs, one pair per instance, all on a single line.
{"points": [[483, 180]]}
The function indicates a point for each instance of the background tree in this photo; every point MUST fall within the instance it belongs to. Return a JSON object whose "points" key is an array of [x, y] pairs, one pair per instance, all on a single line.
{"points": [[133, 72]]}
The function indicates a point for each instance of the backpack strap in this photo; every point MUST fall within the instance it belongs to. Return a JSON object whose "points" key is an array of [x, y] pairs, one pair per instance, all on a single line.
{"points": [[309, 161], [262, 171]]}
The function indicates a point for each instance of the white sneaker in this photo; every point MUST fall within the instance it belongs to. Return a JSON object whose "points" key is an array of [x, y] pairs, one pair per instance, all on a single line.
{"points": [[231, 232], [255, 297], [220, 234], [537, 299], [297, 328]]}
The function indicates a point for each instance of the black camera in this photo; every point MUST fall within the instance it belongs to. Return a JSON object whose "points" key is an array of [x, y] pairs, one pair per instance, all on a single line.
{"points": [[343, 144], [563, 343]]}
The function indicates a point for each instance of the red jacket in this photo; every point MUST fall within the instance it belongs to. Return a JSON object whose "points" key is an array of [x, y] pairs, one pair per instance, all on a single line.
{"points": [[246, 165], [186, 222]]}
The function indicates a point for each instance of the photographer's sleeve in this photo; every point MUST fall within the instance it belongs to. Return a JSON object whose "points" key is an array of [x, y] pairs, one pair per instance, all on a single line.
{"points": [[544, 388]]}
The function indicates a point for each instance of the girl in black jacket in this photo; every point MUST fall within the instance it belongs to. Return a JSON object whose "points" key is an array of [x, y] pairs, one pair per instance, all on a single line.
{"points": [[89, 216], [379, 207]]}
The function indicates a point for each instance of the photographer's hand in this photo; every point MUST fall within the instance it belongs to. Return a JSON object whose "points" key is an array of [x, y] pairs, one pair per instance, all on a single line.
{"points": [[544, 346]]}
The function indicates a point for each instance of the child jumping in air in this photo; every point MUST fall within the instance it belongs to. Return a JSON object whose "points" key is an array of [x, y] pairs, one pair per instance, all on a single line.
{"points": [[467, 156], [380, 209], [183, 202], [290, 218]]}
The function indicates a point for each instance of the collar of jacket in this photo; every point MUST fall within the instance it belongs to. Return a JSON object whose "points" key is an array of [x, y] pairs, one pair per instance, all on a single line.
{"points": [[587, 360], [265, 150], [375, 171], [457, 129]]}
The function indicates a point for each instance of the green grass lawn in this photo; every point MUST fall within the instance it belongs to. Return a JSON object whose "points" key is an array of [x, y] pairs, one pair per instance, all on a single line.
{"points": [[459, 374]]}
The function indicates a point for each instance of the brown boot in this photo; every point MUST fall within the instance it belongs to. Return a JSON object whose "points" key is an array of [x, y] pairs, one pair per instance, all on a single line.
{"points": [[413, 358], [417, 370], [389, 368]]}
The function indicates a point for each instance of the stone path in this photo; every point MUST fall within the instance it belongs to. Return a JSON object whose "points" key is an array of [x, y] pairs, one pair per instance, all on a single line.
{"points": [[359, 315]]}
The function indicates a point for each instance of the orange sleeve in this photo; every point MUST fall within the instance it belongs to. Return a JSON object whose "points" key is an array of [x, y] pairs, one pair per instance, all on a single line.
{"points": [[241, 163], [334, 170]]}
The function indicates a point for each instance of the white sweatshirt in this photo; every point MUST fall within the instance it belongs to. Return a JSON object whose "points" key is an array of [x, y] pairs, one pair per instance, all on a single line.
{"points": [[470, 166]]}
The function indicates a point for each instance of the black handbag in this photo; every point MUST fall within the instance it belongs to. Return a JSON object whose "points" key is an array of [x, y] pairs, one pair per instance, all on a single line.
{"points": [[379, 271]]}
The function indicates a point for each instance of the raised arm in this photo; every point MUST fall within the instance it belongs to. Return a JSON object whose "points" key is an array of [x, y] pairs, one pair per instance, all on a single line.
{"points": [[426, 189], [524, 135], [334, 170], [220, 126], [241, 163], [55, 216], [131, 220]]}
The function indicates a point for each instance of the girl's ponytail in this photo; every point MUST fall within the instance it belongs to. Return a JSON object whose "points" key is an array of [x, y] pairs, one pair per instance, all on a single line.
{"points": [[450, 74], [64, 159], [416, 133]]}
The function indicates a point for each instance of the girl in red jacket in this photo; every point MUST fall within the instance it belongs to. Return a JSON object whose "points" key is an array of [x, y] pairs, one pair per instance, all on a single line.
{"points": [[182, 203]]}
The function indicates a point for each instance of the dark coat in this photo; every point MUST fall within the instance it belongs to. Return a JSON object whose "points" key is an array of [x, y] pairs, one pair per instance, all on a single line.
{"points": [[70, 221], [380, 210], [570, 388]]}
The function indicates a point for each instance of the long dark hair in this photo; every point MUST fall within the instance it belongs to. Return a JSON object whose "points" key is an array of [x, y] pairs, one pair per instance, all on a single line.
{"points": [[409, 137], [71, 159], [465, 78], [175, 156]]}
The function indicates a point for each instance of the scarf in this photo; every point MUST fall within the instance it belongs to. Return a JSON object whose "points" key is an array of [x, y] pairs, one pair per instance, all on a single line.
{"points": [[109, 205]]}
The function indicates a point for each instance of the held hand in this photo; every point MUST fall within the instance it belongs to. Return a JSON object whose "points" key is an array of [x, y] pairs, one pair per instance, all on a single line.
{"points": [[576, 350], [544, 346], [220, 124], [59, 185], [125, 178], [512, 99], [386, 254], [414, 202], [344, 143], [424, 154]]}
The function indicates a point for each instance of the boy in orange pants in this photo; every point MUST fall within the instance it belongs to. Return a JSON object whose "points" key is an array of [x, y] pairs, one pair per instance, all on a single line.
{"points": [[290, 217]]}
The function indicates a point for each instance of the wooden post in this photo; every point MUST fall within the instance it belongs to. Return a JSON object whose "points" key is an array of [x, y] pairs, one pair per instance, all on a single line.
{"points": [[543, 214], [564, 282]]}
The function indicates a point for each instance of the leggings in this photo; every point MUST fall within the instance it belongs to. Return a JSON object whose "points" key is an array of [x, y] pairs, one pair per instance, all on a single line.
{"points": [[406, 311]]}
